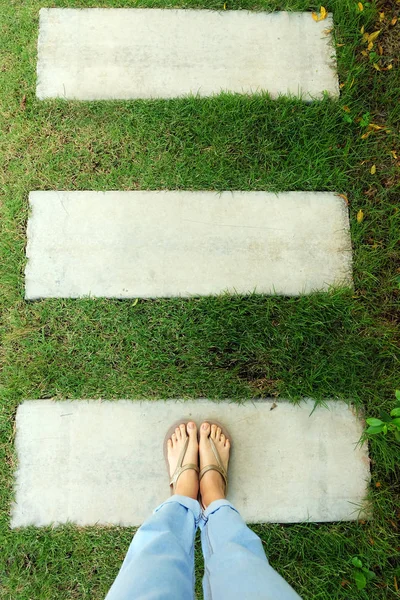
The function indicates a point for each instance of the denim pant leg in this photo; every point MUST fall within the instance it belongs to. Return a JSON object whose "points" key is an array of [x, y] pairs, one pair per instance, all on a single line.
{"points": [[236, 567], [159, 564]]}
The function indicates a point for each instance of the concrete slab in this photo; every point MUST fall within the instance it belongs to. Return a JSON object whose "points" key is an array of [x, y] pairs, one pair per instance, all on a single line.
{"points": [[94, 462], [98, 54], [162, 244]]}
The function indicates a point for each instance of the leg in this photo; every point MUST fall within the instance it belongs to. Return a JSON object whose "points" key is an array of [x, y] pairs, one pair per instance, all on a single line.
{"points": [[160, 560], [236, 567]]}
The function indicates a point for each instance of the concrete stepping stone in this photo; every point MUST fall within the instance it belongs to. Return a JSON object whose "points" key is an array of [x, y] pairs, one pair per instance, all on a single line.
{"points": [[98, 54], [147, 244], [99, 463]]}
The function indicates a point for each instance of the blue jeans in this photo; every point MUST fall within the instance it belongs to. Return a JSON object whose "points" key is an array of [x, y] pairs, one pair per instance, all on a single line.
{"points": [[159, 564]]}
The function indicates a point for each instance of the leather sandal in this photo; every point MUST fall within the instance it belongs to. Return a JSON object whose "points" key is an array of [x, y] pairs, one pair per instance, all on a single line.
{"points": [[179, 467], [219, 467]]}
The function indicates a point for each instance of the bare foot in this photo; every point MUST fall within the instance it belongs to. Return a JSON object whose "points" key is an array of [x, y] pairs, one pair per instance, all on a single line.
{"points": [[212, 485], [188, 482]]}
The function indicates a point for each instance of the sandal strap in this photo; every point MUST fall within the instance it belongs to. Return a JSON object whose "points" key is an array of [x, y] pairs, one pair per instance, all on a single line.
{"points": [[218, 467], [179, 470], [220, 470]]}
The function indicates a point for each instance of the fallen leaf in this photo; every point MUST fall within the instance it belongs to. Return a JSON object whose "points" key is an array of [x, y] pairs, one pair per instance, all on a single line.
{"points": [[365, 37], [371, 541], [344, 198], [396, 587], [328, 31], [376, 66], [393, 153], [364, 52], [374, 126], [389, 67], [360, 216], [366, 135], [346, 109], [381, 16], [378, 484], [393, 21], [380, 49], [372, 36], [370, 46], [273, 406], [362, 29], [224, 5], [342, 85], [339, 45], [23, 102], [344, 582], [323, 13], [360, 6], [373, 170]]}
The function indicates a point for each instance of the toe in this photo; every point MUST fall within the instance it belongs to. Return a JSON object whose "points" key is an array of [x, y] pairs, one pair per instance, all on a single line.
{"points": [[191, 429], [222, 438], [205, 430], [169, 444], [173, 438], [213, 431], [182, 430], [178, 433], [218, 435], [227, 444]]}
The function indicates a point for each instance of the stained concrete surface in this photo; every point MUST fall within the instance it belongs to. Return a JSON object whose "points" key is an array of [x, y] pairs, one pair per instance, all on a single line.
{"points": [[102, 53], [147, 244], [98, 463]]}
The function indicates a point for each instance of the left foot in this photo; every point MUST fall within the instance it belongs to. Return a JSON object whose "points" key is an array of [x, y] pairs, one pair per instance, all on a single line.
{"points": [[188, 482]]}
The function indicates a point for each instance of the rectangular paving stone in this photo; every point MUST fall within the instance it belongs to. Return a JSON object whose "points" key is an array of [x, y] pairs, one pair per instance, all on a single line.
{"points": [[99, 463], [98, 54], [146, 244]]}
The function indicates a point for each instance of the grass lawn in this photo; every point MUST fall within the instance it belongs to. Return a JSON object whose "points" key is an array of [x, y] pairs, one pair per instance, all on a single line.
{"points": [[343, 344]]}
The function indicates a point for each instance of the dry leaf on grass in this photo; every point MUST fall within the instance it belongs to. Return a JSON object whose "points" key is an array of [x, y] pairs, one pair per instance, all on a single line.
{"points": [[360, 216], [372, 36], [323, 13], [373, 170], [360, 6], [344, 198]]}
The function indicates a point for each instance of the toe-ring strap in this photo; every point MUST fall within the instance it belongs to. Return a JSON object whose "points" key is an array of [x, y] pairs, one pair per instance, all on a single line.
{"points": [[179, 469]]}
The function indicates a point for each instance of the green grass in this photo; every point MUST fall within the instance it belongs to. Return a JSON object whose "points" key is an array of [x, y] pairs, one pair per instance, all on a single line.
{"points": [[342, 345]]}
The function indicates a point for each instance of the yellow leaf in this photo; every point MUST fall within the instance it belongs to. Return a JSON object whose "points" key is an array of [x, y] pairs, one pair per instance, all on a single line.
{"points": [[339, 45], [376, 66], [328, 31], [314, 16], [393, 153], [373, 170], [381, 16], [342, 85], [346, 109], [370, 46], [365, 37], [380, 50], [389, 67], [364, 52], [366, 135], [374, 126], [360, 216], [344, 198], [224, 5], [360, 6], [372, 36], [323, 13], [362, 29], [393, 21]]}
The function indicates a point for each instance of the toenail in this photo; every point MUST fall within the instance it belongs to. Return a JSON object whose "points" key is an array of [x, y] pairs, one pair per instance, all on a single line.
{"points": [[205, 426], [190, 425]]}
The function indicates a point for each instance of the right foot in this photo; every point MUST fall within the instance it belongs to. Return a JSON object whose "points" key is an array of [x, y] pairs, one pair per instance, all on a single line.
{"points": [[212, 485]]}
